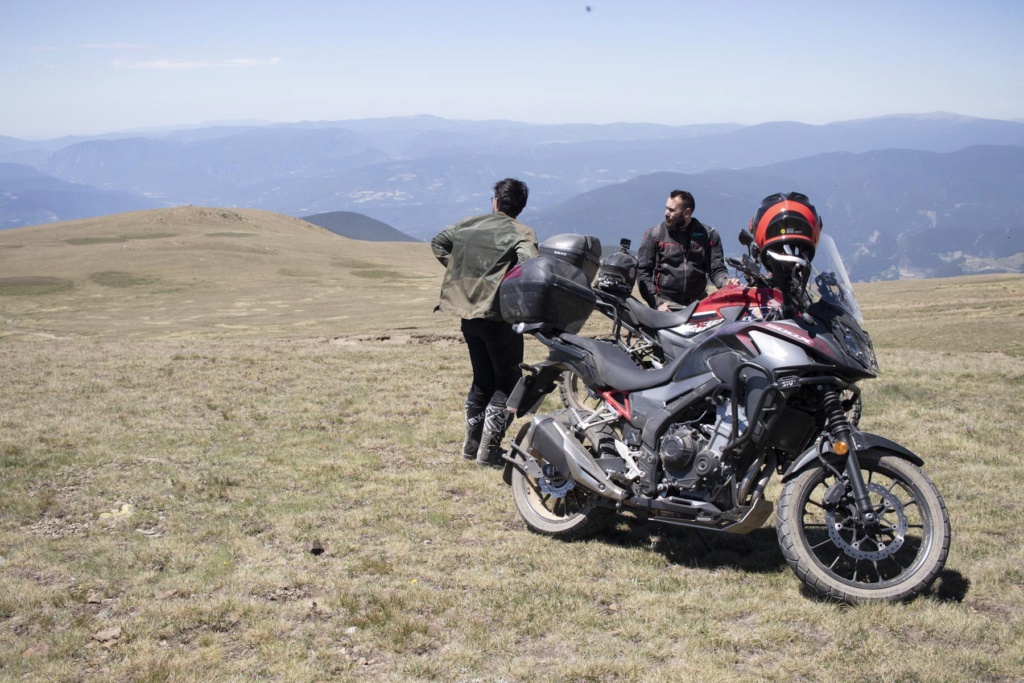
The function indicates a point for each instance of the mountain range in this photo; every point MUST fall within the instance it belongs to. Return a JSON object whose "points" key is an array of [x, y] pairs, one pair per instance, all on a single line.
{"points": [[905, 196], [893, 213]]}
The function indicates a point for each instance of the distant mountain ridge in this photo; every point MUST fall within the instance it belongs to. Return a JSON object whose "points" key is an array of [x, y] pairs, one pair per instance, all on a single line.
{"points": [[356, 226], [893, 213], [28, 197], [419, 174]]}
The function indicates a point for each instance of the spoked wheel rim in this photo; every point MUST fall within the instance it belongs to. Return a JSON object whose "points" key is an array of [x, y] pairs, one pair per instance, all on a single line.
{"points": [[878, 555], [574, 393]]}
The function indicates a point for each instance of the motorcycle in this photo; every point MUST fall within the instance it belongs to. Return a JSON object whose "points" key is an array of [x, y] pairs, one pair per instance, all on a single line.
{"points": [[694, 443], [653, 336]]}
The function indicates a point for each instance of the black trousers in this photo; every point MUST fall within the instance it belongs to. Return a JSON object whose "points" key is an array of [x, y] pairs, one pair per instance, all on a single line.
{"points": [[495, 352]]}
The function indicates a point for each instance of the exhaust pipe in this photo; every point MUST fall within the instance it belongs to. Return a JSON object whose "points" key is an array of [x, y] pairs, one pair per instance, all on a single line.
{"points": [[552, 441]]}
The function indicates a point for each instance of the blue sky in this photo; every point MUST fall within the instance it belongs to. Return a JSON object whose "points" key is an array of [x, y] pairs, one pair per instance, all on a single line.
{"points": [[77, 67]]}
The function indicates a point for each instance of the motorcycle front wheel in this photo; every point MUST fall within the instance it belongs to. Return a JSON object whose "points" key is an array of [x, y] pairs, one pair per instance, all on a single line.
{"points": [[554, 505], [839, 557]]}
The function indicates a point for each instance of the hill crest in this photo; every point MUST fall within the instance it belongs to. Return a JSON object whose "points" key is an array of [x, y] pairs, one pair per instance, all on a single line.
{"points": [[191, 270]]}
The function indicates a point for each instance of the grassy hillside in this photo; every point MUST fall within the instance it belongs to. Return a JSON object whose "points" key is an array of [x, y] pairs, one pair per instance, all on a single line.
{"points": [[979, 313], [213, 272], [187, 410]]}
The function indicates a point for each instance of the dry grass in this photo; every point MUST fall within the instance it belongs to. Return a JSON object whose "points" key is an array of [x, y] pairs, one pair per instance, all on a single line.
{"points": [[167, 481], [180, 272], [981, 313]]}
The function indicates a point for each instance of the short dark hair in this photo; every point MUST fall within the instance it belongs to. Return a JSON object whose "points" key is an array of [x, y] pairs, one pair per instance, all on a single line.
{"points": [[687, 198], [511, 195]]}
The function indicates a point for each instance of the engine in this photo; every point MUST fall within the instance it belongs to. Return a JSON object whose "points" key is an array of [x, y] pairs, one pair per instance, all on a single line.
{"points": [[691, 455], [688, 464], [679, 446]]}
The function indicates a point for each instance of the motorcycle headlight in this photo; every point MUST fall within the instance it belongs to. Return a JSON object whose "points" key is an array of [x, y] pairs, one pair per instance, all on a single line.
{"points": [[857, 345]]}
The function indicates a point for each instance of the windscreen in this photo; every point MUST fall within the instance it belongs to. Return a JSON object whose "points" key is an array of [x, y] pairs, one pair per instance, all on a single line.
{"points": [[829, 280]]}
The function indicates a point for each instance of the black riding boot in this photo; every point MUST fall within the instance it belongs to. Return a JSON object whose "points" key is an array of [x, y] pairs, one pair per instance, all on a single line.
{"points": [[496, 421], [474, 429]]}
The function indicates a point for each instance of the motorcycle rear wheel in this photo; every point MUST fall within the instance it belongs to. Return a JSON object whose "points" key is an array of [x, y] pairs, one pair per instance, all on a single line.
{"points": [[575, 395], [574, 514], [840, 559]]}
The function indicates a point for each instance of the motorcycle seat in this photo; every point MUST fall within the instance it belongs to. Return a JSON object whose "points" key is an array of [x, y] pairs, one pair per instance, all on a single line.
{"points": [[653, 319], [615, 369]]}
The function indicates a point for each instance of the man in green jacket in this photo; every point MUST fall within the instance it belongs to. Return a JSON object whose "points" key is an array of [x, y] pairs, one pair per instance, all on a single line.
{"points": [[477, 253]]}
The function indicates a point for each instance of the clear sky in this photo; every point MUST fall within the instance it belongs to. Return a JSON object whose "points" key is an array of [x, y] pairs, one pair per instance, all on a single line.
{"points": [[78, 67]]}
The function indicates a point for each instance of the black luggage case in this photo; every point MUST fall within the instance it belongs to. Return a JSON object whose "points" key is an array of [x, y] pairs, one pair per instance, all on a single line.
{"points": [[547, 290], [582, 251]]}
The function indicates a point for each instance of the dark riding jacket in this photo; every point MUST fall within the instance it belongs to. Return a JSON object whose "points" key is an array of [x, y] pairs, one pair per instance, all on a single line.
{"points": [[676, 265]]}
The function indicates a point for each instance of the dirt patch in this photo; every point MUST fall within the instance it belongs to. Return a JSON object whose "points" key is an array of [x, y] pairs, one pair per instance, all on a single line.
{"points": [[80, 241], [112, 278], [378, 274], [29, 285], [397, 339], [437, 339], [992, 610]]}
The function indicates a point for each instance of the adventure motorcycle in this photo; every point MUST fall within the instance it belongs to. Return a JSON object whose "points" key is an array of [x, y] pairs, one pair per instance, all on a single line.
{"points": [[695, 442], [653, 337]]}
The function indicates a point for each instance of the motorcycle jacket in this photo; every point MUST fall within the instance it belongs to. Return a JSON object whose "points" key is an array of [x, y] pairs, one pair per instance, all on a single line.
{"points": [[477, 252], [676, 265]]}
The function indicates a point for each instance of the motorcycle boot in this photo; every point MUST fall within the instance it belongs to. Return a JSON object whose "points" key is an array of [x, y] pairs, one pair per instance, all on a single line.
{"points": [[496, 422], [474, 430]]}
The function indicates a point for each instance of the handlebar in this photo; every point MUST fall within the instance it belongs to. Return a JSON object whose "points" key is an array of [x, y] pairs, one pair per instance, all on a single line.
{"points": [[750, 270]]}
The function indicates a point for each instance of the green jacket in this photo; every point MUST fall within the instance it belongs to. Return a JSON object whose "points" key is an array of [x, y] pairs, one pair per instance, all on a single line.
{"points": [[477, 253]]}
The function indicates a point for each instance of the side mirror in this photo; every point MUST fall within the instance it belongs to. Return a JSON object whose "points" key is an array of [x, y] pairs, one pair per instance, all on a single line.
{"points": [[746, 239]]}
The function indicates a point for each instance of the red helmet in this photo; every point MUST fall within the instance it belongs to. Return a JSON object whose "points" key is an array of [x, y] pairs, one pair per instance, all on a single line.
{"points": [[786, 222]]}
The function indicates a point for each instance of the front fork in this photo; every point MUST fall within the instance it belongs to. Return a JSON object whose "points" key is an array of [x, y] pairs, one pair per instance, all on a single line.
{"points": [[842, 442]]}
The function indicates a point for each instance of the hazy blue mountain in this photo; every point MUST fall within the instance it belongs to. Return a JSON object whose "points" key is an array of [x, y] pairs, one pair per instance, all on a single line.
{"points": [[30, 198], [356, 226], [210, 170], [270, 166], [781, 141], [8, 144], [421, 173], [223, 163], [417, 196], [418, 135], [10, 171], [557, 171], [892, 212]]}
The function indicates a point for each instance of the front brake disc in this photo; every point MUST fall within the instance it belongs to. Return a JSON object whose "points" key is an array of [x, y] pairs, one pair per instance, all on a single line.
{"points": [[865, 545]]}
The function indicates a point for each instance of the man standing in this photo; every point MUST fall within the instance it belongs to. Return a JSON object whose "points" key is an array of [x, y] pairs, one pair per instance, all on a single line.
{"points": [[477, 253], [678, 257]]}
